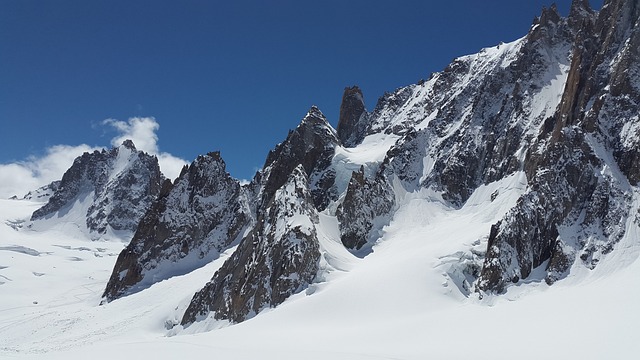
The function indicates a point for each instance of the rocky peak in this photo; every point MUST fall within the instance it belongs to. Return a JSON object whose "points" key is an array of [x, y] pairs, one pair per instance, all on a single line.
{"points": [[189, 224], [114, 188], [278, 258], [598, 102], [129, 145], [548, 27], [581, 17], [550, 15], [352, 122], [312, 145]]}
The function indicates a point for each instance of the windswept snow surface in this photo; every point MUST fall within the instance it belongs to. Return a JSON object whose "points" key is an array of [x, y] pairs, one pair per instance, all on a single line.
{"points": [[399, 302]]}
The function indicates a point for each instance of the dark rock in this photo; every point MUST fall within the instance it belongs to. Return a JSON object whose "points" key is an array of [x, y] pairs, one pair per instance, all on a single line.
{"points": [[570, 184], [312, 144], [202, 214], [278, 258], [122, 183], [352, 123], [365, 201]]}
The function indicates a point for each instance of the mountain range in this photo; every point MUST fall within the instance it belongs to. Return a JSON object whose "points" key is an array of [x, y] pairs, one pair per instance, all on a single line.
{"points": [[539, 139]]}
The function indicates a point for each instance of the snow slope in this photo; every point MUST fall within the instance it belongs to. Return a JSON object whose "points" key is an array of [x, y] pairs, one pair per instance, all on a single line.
{"points": [[400, 302]]}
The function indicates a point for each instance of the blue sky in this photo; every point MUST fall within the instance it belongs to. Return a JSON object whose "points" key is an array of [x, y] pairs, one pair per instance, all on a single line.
{"points": [[233, 76]]}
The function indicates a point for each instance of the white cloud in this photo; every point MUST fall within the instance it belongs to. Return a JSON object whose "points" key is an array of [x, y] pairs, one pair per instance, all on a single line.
{"points": [[23, 176], [142, 131]]}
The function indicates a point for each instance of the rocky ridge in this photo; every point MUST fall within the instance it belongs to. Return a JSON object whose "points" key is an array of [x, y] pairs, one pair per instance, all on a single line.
{"points": [[204, 212], [559, 106]]}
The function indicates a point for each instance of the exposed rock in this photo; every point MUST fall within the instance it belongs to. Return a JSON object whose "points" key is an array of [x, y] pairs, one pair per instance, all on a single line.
{"points": [[312, 144], [190, 223], [43, 193], [278, 258], [352, 123], [578, 201], [365, 202], [117, 186]]}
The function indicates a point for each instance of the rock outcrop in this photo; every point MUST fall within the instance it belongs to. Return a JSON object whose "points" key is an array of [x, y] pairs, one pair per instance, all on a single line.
{"points": [[352, 124], [366, 202], [278, 258], [584, 162], [193, 220]]}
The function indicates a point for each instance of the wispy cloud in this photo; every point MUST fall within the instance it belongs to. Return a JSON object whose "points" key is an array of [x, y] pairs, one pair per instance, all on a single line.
{"points": [[142, 131], [20, 177]]}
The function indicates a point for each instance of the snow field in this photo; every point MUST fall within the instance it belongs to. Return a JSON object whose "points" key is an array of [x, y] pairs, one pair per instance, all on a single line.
{"points": [[396, 303]]}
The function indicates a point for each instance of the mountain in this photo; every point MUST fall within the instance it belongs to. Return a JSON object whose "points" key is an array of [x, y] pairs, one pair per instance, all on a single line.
{"points": [[548, 122], [278, 258], [505, 184], [192, 221], [104, 193]]}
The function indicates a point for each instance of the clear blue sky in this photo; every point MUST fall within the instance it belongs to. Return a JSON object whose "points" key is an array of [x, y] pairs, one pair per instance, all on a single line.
{"points": [[233, 76]]}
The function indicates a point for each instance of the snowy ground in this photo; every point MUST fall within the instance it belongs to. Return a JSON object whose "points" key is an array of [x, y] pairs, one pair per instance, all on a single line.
{"points": [[396, 303]]}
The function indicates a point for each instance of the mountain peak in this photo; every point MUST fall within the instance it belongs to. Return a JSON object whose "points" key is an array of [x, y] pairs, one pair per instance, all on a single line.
{"points": [[350, 124], [129, 144], [549, 15], [314, 113]]}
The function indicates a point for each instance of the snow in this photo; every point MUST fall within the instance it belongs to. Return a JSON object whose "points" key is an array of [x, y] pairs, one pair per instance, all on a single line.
{"points": [[544, 102], [70, 220], [370, 153], [121, 162], [398, 302]]}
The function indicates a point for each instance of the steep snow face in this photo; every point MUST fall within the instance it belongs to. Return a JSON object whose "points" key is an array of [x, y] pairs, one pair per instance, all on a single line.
{"points": [[278, 258], [204, 213], [103, 194], [485, 108]]}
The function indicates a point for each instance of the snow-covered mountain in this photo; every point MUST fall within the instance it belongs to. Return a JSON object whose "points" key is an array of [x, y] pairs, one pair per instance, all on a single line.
{"points": [[558, 106], [104, 193], [513, 171], [193, 220]]}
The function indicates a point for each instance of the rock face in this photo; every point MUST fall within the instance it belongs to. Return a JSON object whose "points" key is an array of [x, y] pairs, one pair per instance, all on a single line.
{"points": [[202, 214], [312, 144], [353, 117], [365, 201], [113, 188], [584, 161], [279, 257]]}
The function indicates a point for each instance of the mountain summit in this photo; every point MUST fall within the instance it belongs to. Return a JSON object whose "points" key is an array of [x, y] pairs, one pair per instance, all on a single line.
{"points": [[110, 190]]}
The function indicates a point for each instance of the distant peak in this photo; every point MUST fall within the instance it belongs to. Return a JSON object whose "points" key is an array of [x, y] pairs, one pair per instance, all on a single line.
{"points": [[549, 15], [580, 14], [129, 144], [315, 112], [580, 5]]}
